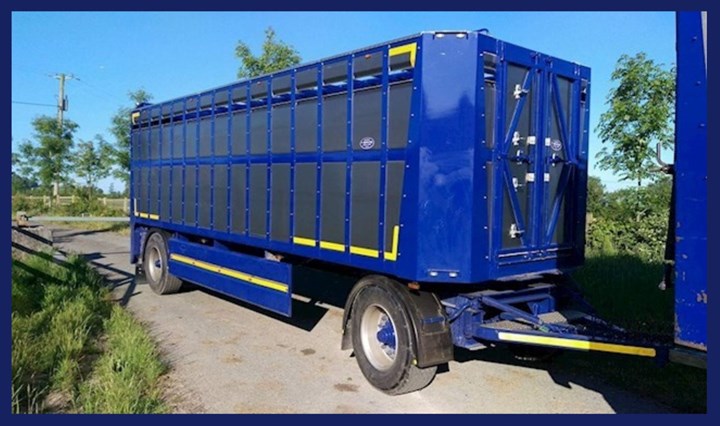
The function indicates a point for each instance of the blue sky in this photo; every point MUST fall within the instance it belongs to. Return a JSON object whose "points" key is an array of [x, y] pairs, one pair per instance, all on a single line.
{"points": [[171, 54]]}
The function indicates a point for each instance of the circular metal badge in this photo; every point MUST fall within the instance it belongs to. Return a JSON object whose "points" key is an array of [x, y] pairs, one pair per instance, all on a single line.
{"points": [[556, 145], [367, 143]]}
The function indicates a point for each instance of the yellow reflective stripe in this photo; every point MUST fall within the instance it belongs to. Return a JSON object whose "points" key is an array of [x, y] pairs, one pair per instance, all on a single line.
{"points": [[252, 279], [134, 117], [364, 251], [392, 255], [396, 237], [332, 246], [304, 241], [147, 215], [408, 48], [577, 344]]}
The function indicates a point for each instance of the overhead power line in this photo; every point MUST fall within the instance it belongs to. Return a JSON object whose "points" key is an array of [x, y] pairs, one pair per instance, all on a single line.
{"points": [[34, 104]]}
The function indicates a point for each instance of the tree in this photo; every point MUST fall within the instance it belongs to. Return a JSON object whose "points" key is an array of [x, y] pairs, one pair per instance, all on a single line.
{"points": [[596, 201], [276, 55], [641, 108], [120, 129], [49, 158], [92, 162]]}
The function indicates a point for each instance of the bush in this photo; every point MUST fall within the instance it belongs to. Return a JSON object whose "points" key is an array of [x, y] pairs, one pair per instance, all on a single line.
{"points": [[634, 221]]}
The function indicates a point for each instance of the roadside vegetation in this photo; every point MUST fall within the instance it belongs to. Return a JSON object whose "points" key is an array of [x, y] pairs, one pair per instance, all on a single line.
{"points": [[73, 349], [627, 234], [623, 287]]}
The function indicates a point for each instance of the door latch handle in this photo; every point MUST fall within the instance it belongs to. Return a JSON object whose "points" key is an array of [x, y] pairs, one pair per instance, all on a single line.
{"points": [[515, 232], [555, 159], [519, 91], [519, 157]]}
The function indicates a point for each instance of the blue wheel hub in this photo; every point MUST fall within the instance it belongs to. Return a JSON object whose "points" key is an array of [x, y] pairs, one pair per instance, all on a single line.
{"points": [[386, 334]]}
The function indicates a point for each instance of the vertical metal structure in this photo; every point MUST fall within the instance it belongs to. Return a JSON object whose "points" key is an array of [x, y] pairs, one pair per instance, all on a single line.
{"points": [[691, 281]]}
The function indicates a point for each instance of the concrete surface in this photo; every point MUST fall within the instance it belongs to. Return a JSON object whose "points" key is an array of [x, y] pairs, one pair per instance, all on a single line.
{"points": [[228, 357]]}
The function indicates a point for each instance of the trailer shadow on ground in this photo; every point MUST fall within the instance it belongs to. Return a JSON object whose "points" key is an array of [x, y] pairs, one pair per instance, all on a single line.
{"points": [[567, 370], [310, 301]]}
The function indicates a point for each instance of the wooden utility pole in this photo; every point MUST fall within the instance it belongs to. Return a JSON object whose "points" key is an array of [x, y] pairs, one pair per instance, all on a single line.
{"points": [[62, 107]]}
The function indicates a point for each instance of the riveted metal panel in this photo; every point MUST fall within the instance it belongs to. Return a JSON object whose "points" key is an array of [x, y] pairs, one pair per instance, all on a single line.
{"points": [[177, 141], [393, 199], [154, 143], [305, 200], [367, 65], [221, 97], [280, 202], [364, 204], [281, 85], [258, 90], [135, 144], [138, 188], [165, 151], [332, 215], [190, 202], [258, 200], [281, 129], [399, 114], [142, 148], [191, 142], [154, 196], [206, 101], [306, 79], [237, 197], [206, 137], [367, 119], [335, 72], [165, 189], [221, 135], [220, 201], [334, 123], [258, 131], [239, 133], [239, 94], [490, 116], [306, 128], [177, 193], [204, 196]]}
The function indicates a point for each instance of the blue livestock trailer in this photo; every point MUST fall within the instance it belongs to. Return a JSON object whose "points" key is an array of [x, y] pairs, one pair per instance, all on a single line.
{"points": [[448, 169]]}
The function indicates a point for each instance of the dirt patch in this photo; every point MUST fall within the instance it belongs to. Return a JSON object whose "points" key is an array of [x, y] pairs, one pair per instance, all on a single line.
{"points": [[307, 351], [346, 387], [232, 359]]}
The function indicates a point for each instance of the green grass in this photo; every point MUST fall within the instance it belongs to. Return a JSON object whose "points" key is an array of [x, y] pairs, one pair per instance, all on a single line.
{"points": [[126, 374], [72, 349], [624, 290]]}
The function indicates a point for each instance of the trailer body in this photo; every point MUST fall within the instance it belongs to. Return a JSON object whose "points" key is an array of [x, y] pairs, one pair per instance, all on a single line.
{"points": [[444, 157]]}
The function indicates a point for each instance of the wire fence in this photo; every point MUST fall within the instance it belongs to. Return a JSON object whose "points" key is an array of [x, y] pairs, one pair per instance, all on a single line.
{"points": [[122, 204]]}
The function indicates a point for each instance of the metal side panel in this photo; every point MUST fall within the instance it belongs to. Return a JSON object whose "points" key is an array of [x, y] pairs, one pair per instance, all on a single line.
{"points": [[691, 185], [261, 282]]}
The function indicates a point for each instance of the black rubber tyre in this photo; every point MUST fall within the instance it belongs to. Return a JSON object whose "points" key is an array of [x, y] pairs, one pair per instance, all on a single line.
{"points": [[531, 353], [155, 264], [394, 373]]}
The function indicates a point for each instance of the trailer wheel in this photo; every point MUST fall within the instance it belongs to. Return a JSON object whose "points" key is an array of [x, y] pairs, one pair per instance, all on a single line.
{"points": [[383, 342], [155, 264]]}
